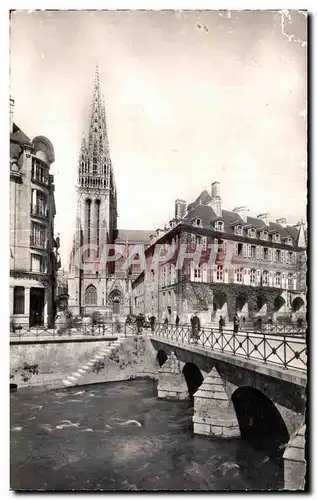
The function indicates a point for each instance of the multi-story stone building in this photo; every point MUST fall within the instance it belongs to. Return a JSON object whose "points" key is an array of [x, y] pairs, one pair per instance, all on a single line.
{"points": [[93, 285], [34, 257], [234, 263]]}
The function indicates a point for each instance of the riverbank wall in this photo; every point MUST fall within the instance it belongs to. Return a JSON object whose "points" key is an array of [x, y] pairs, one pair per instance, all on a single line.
{"points": [[49, 364]]}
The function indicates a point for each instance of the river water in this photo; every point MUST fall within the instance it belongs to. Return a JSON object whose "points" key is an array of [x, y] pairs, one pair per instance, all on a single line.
{"points": [[81, 439]]}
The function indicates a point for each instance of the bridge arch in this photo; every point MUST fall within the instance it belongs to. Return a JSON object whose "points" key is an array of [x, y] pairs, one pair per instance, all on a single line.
{"points": [[259, 419], [193, 377], [161, 357]]}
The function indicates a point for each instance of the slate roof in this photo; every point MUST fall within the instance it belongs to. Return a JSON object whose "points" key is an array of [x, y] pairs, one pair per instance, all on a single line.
{"points": [[200, 208], [18, 136]]}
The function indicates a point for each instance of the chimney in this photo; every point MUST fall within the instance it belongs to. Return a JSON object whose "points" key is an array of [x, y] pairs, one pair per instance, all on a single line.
{"points": [[282, 221], [215, 202], [242, 211], [264, 217], [215, 190], [11, 114], [159, 233], [180, 209]]}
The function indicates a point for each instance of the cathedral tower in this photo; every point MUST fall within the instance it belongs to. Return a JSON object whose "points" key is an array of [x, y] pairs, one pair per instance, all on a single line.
{"points": [[97, 197], [96, 220]]}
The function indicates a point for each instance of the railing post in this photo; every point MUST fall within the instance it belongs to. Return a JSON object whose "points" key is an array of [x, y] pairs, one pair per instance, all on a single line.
{"points": [[264, 349]]}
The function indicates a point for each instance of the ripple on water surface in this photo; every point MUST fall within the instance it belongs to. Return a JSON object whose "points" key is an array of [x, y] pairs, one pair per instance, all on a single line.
{"points": [[118, 436]]}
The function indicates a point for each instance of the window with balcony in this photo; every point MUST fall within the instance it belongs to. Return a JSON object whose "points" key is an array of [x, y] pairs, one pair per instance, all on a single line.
{"points": [[238, 230], [39, 172], [39, 206], [278, 255], [18, 300], [265, 253], [38, 263], [38, 235], [219, 225], [288, 257], [265, 278], [278, 279]]}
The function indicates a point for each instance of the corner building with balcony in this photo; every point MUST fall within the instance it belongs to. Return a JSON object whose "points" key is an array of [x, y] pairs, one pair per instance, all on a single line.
{"points": [[247, 265], [34, 257]]}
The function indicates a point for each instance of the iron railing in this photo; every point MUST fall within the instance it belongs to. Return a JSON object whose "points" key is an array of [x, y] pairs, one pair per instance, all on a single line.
{"points": [[276, 329], [23, 332], [284, 351], [39, 211]]}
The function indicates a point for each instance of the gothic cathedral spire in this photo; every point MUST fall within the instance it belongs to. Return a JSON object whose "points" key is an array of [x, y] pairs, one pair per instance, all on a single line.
{"points": [[95, 169]]}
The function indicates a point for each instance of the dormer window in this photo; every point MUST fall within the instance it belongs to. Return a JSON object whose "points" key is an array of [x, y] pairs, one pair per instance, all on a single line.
{"points": [[219, 226], [264, 235], [277, 238], [238, 230], [252, 233], [197, 222], [288, 241]]}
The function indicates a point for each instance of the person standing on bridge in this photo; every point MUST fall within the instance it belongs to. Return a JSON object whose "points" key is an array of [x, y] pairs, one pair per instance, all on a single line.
{"points": [[236, 323], [195, 321], [177, 320], [221, 324]]}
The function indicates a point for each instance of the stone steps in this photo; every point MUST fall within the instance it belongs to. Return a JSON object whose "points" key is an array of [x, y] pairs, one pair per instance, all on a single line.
{"points": [[72, 379]]}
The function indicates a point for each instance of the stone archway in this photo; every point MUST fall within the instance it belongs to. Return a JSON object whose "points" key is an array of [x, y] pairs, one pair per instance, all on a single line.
{"points": [[279, 302], [116, 302], [261, 305], [242, 304], [297, 304], [220, 305]]}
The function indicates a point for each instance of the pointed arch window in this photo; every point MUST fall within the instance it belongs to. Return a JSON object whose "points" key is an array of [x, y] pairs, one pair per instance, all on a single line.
{"points": [[91, 295], [94, 164]]}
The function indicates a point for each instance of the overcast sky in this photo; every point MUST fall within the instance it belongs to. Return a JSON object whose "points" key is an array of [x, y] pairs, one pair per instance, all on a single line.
{"points": [[191, 98]]}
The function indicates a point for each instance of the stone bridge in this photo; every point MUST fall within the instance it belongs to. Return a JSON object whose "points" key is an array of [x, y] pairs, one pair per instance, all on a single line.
{"points": [[238, 397]]}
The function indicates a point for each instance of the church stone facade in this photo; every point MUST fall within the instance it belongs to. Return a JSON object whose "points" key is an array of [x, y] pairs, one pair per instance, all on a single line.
{"points": [[105, 289]]}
